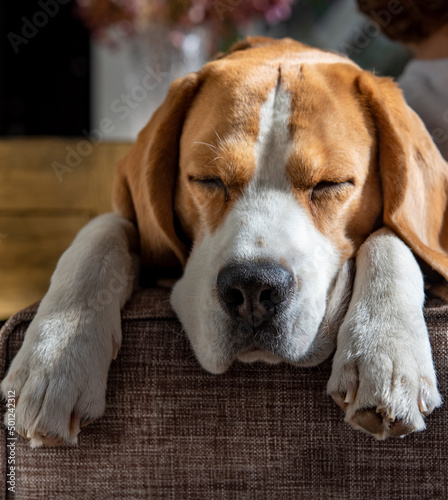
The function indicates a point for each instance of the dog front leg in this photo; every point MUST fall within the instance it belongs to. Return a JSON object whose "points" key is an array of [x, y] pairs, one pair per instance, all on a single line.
{"points": [[383, 375], [59, 375]]}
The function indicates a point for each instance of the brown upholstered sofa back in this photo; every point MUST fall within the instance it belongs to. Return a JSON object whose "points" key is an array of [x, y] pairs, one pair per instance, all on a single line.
{"points": [[173, 431]]}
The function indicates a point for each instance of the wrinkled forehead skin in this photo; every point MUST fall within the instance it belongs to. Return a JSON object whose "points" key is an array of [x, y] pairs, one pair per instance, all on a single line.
{"points": [[332, 137]]}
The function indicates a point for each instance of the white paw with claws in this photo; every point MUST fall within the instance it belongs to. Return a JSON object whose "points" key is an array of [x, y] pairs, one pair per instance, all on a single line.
{"points": [[59, 375], [388, 386], [383, 376]]}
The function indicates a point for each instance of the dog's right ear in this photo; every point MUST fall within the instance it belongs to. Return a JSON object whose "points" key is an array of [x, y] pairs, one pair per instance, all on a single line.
{"points": [[145, 178], [414, 175]]}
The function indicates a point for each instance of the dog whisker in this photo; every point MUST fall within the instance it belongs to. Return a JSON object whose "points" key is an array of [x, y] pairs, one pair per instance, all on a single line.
{"points": [[211, 146]]}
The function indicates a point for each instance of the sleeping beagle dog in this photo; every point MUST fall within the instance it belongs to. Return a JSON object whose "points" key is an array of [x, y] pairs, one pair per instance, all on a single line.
{"points": [[296, 192]]}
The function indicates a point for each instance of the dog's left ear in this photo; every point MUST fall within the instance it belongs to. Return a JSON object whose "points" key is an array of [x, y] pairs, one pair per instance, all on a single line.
{"points": [[145, 179], [414, 175]]}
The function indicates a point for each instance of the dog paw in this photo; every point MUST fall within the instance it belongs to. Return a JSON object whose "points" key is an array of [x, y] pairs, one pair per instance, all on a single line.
{"points": [[386, 392], [58, 378]]}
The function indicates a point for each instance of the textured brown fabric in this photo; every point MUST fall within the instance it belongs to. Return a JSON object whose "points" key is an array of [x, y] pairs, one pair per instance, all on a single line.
{"points": [[173, 431]]}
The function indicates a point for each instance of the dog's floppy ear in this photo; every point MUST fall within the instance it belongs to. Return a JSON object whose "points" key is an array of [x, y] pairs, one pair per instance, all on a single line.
{"points": [[145, 179], [413, 173]]}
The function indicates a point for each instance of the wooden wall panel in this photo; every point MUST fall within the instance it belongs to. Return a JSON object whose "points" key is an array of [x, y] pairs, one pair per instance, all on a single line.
{"points": [[40, 213]]}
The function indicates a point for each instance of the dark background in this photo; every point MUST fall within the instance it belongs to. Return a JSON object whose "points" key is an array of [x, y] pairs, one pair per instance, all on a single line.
{"points": [[44, 87]]}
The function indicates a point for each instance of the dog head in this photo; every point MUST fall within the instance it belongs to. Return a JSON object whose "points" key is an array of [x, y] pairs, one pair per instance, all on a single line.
{"points": [[261, 175]]}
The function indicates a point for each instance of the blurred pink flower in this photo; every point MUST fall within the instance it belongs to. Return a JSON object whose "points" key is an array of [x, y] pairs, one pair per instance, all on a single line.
{"points": [[220, 16]]}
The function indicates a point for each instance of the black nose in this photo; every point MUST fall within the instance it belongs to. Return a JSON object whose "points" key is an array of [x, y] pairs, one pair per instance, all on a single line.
{"points": [[253, 292]]}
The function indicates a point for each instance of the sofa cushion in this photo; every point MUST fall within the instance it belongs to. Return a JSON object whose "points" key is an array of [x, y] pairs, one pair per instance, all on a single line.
{"points": [[173, 431]]}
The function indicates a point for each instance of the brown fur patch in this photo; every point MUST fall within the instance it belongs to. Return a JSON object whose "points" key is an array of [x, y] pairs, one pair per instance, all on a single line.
{"points": [[338, 111]]}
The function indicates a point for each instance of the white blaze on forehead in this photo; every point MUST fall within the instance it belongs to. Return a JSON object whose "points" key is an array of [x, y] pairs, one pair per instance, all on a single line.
{"points": [[267, 221], [274, 141]]}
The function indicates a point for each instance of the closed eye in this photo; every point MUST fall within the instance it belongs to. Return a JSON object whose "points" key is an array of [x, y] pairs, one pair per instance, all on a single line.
{"points": [[330, 187], [211, 183]]}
